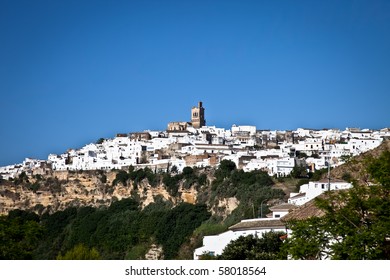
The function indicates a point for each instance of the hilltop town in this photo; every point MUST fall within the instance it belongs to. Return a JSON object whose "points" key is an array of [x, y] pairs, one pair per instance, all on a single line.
{"points": [[194, 144], [259, 181]]}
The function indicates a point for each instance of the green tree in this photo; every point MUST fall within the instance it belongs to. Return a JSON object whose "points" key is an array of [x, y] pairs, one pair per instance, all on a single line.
{"points": [[317, 175], [22, 178], [250, 247], [100, 141], [19, 236], [301, 154], [355, 224], [207, 257], [80, 252], [174, 169], [188, 171], [226, 167], [177, 225], [121, 177], [347, 177], [309, 240], [299, 172]]}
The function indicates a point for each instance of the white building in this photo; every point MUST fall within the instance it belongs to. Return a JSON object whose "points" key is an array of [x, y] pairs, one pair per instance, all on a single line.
{"points": [[10, 171], [309, 191], [280, 167], [250, 129], [125, 149], [215, 244]]}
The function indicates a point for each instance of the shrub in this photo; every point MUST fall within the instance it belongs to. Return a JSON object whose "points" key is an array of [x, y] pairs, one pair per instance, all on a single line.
{"points": [[80, 252]]}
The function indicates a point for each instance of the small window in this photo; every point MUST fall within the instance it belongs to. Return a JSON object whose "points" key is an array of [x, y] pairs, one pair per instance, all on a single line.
{"points": [[277, 216]]}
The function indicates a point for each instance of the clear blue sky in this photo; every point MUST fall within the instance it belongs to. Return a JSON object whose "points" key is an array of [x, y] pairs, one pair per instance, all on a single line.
{"points": [[74, 71]]}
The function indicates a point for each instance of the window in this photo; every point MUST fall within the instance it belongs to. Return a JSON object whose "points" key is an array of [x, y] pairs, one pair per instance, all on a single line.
{"points": [[277, 216]]}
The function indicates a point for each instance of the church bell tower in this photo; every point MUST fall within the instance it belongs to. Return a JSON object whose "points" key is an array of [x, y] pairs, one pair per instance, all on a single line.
{"points": [[197, 116]]}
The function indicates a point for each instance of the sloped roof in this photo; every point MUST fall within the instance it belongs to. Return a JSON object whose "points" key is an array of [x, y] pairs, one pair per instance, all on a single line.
{"points": [[257, 224], [298, 195], [332, 181], [305, 211], [283, 206]]}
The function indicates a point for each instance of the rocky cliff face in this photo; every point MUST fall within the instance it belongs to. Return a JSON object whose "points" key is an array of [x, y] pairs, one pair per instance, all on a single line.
{"points": [[59, 190]]}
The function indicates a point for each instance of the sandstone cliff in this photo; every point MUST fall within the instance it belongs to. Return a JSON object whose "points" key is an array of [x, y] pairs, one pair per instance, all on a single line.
{"points": [[59, 190]]}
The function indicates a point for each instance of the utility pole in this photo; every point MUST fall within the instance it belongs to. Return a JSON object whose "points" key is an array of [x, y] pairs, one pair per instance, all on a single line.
{"points": [[329, 157]]}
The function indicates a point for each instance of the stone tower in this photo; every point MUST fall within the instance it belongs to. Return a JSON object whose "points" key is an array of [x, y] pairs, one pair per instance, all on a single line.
{"points": [[197, 116]]}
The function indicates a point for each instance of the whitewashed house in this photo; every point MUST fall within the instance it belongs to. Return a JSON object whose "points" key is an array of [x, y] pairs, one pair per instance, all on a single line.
{"points": [[309, 191], [215, 244], [280, 167]]}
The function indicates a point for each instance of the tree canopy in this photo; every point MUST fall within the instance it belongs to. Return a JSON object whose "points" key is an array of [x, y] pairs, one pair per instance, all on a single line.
{"points": [[80, 252], [267, 247], [19, 235]]}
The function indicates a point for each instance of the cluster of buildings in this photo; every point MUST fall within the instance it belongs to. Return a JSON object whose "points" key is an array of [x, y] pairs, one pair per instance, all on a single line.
{"points": [[194, 143], [274, 221]]}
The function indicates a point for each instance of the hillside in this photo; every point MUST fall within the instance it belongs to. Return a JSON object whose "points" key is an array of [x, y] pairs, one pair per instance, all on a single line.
{"points": [[134, 209], [221, 191], [59, 190], [137, 214], [354, 168]]}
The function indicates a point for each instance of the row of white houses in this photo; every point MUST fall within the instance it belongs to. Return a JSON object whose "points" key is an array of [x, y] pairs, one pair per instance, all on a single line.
{"points": [[155, 148]]}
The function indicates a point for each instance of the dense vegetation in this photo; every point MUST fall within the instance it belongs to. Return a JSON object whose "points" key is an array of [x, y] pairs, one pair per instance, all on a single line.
{"points": [[119, 232], [356, 223], [250, 188], [125, 231], [20, 232], [265, 247]]}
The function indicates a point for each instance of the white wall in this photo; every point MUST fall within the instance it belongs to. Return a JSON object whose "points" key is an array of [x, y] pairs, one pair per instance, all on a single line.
{"points": [[314, 189], [215, 244]]}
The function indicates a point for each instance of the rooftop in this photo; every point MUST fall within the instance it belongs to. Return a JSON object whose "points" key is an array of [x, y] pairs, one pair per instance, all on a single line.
{"points": [[332, 181], [306, 211], [283, 206], [298, 195], [257, 224]]}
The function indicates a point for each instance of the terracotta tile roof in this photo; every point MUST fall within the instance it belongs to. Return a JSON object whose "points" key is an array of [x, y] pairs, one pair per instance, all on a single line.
{"points": [[305, 211], [257, 224]]}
